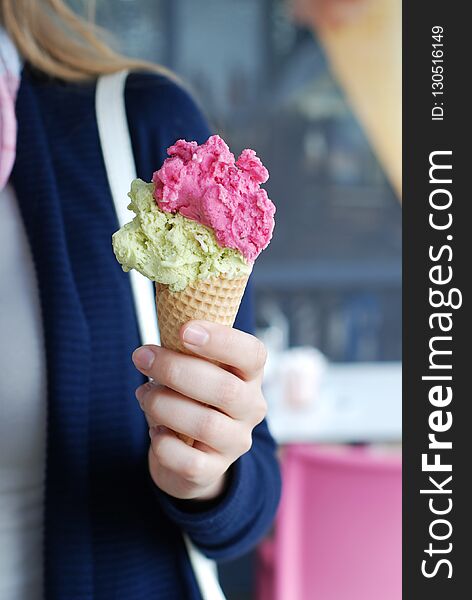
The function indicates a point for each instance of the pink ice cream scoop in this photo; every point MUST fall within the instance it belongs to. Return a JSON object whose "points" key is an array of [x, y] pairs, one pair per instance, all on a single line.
{"points": [[206, 184]]}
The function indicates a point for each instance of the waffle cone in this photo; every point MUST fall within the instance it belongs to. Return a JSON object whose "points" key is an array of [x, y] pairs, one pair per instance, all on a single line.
{"points": [[216, 299]]}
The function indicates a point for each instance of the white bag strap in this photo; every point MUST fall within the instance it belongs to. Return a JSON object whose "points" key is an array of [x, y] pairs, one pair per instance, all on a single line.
{"points": [[119, 163]]}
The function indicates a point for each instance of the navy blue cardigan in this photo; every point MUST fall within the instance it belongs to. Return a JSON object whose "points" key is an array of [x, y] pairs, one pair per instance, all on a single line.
{"points": [[109, 532]]}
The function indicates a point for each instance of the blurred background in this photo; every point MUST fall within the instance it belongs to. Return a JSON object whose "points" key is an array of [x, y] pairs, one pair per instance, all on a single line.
{"points": [[314, 86]]}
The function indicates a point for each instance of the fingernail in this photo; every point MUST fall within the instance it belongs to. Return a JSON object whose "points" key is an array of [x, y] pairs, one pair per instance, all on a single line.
{"points": [[143, 358], [156, 430], [195, 335], [139, 393]]}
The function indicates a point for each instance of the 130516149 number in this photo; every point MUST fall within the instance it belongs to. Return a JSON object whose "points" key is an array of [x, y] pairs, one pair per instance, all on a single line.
{"points": [[437, 57]]}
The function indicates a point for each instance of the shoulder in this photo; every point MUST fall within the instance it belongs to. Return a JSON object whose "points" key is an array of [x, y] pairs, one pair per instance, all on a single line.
{"points": [[147, 92], [160, 111]]}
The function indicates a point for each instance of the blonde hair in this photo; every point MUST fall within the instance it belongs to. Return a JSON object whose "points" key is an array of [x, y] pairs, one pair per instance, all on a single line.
{"points": [[55, 40]]}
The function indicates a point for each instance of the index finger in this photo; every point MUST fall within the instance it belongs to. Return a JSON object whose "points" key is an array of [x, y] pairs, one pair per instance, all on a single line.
{"points": [[242, 351]]}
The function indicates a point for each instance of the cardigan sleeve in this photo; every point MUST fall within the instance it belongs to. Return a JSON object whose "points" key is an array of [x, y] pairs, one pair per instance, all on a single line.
{"points": [[159, 112], [240, 518]]}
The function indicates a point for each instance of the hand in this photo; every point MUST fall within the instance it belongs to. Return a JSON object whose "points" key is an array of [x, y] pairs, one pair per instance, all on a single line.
{"points": [[218, 406]]}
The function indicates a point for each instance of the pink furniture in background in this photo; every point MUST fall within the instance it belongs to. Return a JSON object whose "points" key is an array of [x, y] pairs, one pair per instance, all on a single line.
{"points": [[338, 531]]}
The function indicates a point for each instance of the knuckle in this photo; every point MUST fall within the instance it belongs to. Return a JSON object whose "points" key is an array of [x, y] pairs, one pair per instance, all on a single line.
{"points": [[153, 404], [260, 409], [260, 353], [209, 426], [228, 339], [246, 443], [230, 391], [169, 371], [148, 390], [193, 471], [155, 407]]}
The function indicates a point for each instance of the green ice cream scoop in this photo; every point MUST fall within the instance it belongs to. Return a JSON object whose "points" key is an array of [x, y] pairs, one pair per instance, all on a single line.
{"points": [[169, 248]]}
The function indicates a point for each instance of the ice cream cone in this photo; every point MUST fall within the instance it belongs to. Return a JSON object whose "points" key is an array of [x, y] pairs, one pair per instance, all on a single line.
{"points": [[216, 299], [198, 228]]}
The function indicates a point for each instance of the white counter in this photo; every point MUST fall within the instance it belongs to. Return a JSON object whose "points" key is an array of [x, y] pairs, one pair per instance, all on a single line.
{"points": [[358, 402]]}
